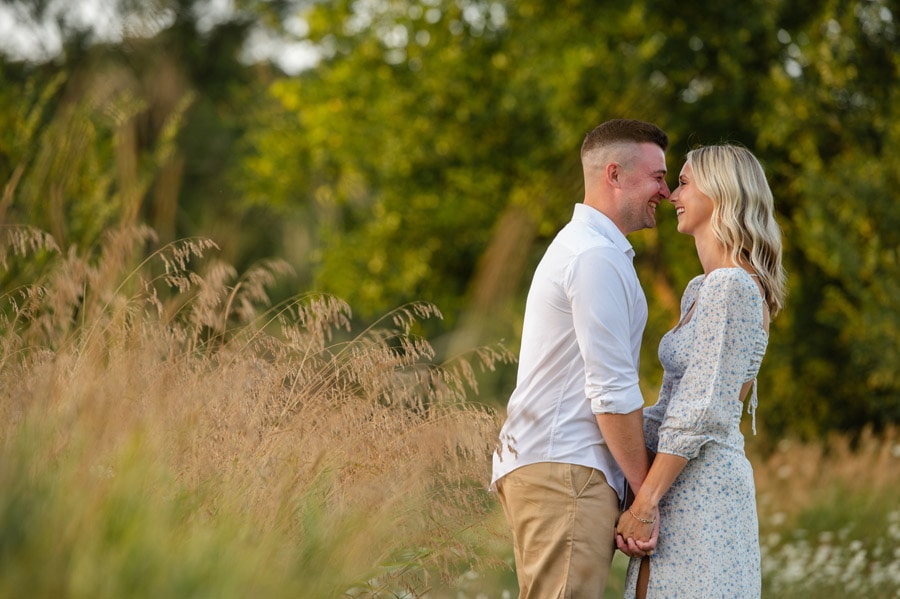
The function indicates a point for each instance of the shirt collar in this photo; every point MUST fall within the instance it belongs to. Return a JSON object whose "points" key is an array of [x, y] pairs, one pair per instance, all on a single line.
{"points": [[604, 225]]}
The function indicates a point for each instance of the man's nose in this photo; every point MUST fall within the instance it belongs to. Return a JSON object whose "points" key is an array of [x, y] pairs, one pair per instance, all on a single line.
{"points": [[664, 189]]}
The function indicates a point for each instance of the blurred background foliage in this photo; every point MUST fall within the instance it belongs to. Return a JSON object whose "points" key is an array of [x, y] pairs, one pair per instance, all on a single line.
{"points": [[429, 151]]}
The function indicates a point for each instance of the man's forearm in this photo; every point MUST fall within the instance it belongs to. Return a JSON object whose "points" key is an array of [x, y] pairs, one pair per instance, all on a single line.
{"points": [[624, 435]]}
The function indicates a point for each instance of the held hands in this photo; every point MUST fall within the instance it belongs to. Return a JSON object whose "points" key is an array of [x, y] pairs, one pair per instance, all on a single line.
{"points": [[636, 534]]}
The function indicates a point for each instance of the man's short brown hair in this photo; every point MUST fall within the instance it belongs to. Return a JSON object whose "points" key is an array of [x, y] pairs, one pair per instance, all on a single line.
{"points": [[624, 130]]}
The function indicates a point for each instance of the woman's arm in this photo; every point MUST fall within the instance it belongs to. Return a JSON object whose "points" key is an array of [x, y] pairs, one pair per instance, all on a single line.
{"points": [[725, 308], [636, 525]]}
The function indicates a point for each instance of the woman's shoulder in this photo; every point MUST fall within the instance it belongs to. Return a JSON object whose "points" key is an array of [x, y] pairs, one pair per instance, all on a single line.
{"points": [[730, 283], [694, 285], [730, 276], [690, 292]]}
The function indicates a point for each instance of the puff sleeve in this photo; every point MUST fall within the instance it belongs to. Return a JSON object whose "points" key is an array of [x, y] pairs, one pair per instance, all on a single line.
{"points": [[722, 357]]}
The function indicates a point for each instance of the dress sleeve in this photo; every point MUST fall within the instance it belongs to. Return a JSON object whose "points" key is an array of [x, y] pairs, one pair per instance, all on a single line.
{"points": [[721, 353]]}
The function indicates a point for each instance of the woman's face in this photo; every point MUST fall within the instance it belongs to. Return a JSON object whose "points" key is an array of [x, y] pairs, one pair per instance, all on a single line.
{"points": [[692, 207]]}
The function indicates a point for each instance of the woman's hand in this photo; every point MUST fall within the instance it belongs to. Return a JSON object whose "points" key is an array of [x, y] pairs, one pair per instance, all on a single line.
{"points": [[638, 527], [637, 532]]}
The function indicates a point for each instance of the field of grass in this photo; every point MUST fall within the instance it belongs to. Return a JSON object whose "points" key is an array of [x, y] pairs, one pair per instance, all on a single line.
{"points": [[166, 433], [829, 523]]}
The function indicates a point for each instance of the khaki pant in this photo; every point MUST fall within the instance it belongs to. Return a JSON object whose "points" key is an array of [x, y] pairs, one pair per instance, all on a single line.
{"points": [[563, 523]]}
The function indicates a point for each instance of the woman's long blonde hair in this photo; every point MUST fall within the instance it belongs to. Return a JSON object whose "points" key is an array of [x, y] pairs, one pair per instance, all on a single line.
{"points": [[743, 218]]}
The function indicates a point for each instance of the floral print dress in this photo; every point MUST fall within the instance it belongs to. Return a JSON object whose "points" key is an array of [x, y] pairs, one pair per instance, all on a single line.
{"points": [[709, 535]]}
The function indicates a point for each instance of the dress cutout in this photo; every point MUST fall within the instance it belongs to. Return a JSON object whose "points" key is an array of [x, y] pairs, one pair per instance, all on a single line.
{"points": [[709, 534]]}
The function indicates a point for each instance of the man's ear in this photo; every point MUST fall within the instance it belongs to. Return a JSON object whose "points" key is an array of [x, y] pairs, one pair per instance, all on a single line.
{"points": [[613, 174]]}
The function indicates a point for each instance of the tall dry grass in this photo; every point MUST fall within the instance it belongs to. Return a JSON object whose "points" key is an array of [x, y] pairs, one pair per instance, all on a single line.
{"points": [[830, 517], [829, 522], [166, 432]]}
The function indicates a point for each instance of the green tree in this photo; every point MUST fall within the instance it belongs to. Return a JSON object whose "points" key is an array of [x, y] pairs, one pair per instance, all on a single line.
{"points": [[144, 129], [830, 124], [438, 143], [435, 152]]}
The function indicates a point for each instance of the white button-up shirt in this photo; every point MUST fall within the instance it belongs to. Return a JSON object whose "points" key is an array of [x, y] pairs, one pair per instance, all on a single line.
{"points": [[581, 339]]}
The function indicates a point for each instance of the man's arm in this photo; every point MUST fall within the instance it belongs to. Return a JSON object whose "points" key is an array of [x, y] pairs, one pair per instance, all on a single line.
{"points": [[624, 436], [604, 311]]}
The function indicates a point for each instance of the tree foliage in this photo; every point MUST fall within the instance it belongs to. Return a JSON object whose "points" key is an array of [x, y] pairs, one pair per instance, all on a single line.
{"points": [[433, 153], [830, 123]]}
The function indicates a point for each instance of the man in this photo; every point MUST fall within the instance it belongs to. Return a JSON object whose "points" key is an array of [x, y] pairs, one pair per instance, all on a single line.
{"points": [[573, 434]]}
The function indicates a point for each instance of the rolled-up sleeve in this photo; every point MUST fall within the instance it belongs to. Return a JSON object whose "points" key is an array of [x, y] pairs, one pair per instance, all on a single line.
{"points": [[608, 310]]}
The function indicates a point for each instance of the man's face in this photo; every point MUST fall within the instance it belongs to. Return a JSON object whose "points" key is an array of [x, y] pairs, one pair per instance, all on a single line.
{"points": [[644, 187]]}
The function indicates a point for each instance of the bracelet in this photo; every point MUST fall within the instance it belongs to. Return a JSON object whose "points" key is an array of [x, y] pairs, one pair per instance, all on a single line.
{"points": [[641, 520]]}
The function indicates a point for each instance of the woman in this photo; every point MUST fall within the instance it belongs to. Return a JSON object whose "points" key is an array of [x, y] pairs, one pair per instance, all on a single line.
{"points": [[700, 485]]}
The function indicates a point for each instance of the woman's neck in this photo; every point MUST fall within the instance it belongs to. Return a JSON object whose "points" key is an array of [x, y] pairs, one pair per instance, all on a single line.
{"points": [[712, 254]]}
